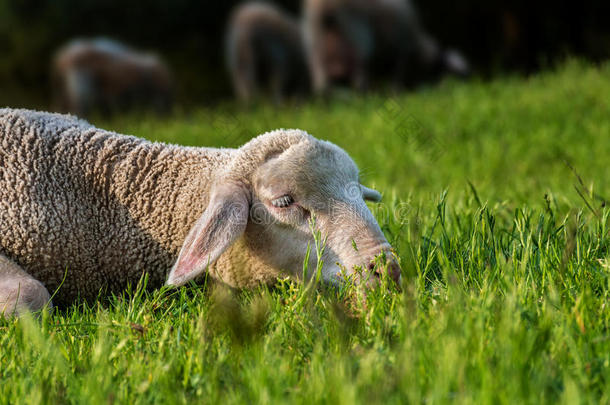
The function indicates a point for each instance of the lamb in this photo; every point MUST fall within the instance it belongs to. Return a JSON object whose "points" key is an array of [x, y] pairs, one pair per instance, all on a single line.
{"points": [[265, 53], [96, 210], [105, 75]]}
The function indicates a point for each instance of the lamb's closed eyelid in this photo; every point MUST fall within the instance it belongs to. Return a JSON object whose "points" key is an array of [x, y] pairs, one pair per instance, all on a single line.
{"points": [[282, 201]]}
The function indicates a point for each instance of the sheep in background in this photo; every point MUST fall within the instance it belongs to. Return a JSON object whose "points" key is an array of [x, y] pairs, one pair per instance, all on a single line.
{"points": [[102, 74], [101, 209], [377, 38], [265, 53], [339, 42]]}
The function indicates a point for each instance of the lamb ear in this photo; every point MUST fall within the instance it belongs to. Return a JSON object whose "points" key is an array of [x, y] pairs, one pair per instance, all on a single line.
{"points": [[370, 195], [223, 221]]}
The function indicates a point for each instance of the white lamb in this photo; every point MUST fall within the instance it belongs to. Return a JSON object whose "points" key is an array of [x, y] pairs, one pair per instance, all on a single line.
{"points": [[101, 209]]}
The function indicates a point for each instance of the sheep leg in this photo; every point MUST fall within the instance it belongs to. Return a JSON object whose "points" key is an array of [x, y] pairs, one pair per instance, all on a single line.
{"points": [[81, 92], [244, 74], [359, 78], [20, 292], [278, 84]]}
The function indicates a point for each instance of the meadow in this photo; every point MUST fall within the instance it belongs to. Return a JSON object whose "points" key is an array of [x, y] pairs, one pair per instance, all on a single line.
{"points": [[494, 199]]}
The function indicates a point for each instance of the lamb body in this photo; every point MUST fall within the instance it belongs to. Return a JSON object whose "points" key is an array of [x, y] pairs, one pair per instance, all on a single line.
{"points": [[99, 209], [76, 197]]}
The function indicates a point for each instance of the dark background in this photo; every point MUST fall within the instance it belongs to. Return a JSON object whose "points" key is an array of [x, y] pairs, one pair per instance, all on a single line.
{"points": [[496, 36]]}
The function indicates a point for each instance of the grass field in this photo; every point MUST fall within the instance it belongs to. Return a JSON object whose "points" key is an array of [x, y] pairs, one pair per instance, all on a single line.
{"points": [[494, 200]]}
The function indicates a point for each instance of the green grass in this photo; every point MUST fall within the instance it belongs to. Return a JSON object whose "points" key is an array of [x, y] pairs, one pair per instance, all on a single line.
{"points": [[494, 202]]}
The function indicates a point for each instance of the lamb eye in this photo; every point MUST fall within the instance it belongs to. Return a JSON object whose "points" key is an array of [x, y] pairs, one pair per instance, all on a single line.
{"points": [[282, 202]]}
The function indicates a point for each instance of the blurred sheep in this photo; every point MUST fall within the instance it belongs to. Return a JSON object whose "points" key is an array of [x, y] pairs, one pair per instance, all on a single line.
{"points": [[351, 41], [265, 53], [102, 74]]}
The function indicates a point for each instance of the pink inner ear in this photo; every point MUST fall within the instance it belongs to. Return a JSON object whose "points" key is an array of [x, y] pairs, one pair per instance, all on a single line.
{"points": [[223, 221], [187, 259], [186, 264]]}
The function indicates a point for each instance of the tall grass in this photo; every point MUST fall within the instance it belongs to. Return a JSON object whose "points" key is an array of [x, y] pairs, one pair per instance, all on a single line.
{"points": [[501, 229]]}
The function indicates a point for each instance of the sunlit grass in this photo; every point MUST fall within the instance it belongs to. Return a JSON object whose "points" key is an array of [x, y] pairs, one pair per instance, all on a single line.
{"points": [[494, 202]]}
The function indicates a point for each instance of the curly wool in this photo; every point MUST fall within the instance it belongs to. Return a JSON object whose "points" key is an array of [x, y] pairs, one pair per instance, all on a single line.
{"points": [[100, 208]]}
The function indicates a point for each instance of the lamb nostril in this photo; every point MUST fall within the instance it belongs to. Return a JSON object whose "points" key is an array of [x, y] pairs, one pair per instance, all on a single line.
{"points": [[394, 270], [391, 268]]}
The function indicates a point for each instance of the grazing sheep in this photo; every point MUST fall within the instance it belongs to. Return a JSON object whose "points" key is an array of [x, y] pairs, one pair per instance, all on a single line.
{"points": [[265, 52], [348, 41], [339, 42], [96, 210], [101, 74]]}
